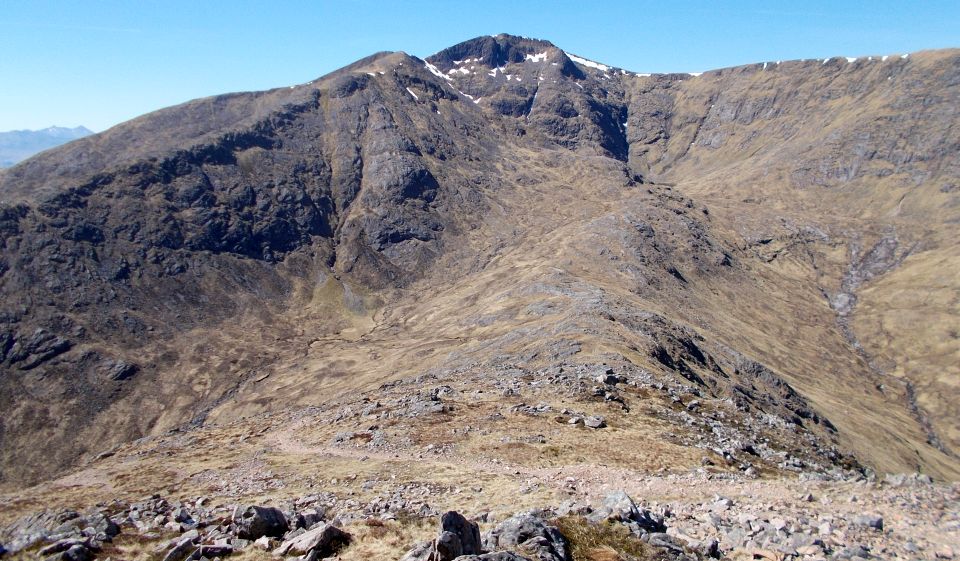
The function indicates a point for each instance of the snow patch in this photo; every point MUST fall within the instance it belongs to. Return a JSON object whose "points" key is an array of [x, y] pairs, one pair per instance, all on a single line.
{"points": [[464, 71], [371, 74], [413, 94], [764, 66], [436, 71], [851, 59], [905, 56], [695, 74], [539, 57], [590, 63], [644, 75], [884, 58]]}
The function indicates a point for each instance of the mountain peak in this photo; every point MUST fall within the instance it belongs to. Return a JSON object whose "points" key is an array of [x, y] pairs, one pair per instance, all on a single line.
{"points": [[491, 50]]}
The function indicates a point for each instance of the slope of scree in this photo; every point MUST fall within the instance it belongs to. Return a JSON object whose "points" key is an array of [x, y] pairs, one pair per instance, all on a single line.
{"points": [[503, 207]]}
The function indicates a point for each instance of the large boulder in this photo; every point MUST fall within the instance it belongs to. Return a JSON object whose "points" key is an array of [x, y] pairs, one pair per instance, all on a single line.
{"points": [[467, 532], [531, 533], [458, 537], [324, 538], [254, 522], [619, 507]]}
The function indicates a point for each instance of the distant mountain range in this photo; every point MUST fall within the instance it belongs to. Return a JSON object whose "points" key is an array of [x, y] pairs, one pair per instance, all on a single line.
{"points": [[16, 146]]}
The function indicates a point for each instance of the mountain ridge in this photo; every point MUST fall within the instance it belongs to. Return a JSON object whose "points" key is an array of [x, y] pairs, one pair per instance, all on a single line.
{"points": [[324, 205]]}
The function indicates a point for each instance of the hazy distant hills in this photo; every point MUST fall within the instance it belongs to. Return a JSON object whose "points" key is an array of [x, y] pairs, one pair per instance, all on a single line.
{"points": [[16, 146]]}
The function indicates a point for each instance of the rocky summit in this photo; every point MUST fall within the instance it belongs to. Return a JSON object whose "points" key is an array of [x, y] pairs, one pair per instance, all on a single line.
{"points": [[503, 303]]}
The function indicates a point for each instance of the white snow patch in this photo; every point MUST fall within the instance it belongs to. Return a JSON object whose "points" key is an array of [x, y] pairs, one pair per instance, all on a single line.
{"points": [[509, 77], [465, 94], [590, 63], [477, 100], [381, 73], [495, 70], [539, 78], [459, 71], [764, 66], [578, 85], [884, 58], [826, 60], [905, 56], [851, 58], [644, 75], [539, 57], [695, 74], [413, 94], [371, 74], [436, 71]]}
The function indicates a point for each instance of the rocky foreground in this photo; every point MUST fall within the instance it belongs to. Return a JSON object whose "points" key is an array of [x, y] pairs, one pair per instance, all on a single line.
{"points": [[901, 517]]}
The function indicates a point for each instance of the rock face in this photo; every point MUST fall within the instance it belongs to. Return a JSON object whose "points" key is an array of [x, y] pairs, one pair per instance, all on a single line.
{"points": [[154, 273]]}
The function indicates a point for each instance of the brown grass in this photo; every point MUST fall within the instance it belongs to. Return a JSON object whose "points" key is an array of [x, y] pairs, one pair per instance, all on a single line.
{"points": [[603, 542]]}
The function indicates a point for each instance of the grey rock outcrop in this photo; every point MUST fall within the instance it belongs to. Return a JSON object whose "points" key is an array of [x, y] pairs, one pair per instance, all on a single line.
{"points": [[619, 507], [531, 533]]}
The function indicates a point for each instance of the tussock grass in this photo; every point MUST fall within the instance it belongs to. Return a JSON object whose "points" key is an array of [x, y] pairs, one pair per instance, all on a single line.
{"points": [[603, 542], [385, 539]]}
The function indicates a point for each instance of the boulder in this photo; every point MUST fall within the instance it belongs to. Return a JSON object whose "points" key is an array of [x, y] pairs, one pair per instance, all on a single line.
{"points": [[324, 538], [595, 422], [182, 548], [210, 551], [531, 533], [870, 521], [619, 507], [420, 552], [447, 547], [467, 532], [254, 522]]}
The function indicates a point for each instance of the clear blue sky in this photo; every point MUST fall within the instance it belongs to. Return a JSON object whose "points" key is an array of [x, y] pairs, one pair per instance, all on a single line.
{"points": [[99, 62]]}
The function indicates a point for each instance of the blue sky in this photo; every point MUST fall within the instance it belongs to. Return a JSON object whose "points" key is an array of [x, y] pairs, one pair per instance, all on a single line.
{"points": [[97, 63]]}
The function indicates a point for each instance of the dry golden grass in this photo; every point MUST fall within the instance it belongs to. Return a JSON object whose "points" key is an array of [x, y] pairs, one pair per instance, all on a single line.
{"points": [[603, 542]]}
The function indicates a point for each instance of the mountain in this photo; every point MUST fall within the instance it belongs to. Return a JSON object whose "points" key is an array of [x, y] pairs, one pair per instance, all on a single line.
{"points": [[506, 259], [16, 146]]}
